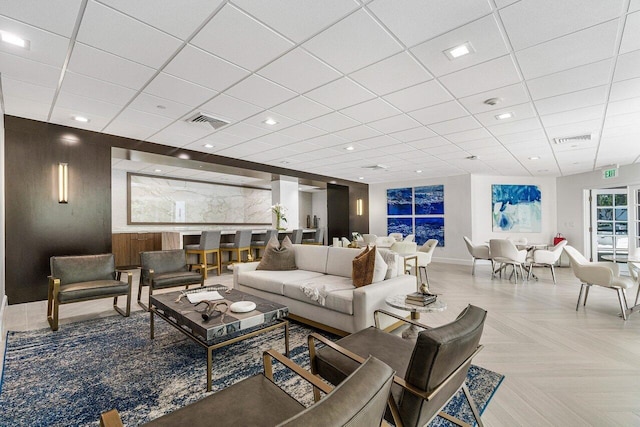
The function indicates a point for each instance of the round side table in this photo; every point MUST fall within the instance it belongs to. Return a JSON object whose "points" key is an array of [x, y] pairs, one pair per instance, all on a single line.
{"points": [[398, 301]]}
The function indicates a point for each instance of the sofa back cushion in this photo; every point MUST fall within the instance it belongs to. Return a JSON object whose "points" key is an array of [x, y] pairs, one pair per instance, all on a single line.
{"points": [[312, 258], [339, 261]]}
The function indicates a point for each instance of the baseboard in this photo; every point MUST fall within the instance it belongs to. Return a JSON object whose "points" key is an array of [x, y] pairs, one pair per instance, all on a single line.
{"points": [[2, 312]]}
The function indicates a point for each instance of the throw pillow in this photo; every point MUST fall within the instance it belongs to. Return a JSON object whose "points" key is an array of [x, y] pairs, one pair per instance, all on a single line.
{"points": [[391, 258], [379, 267], [278, 256], [362, 267]]}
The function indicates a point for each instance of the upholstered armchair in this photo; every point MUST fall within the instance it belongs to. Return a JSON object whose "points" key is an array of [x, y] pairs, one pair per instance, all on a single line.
{"points": [[82, 278], [504, 253], [396, 236], [423, 256], [429, 371], [601, 273], [166, 269], [477, 252], [360, 401], [547, 258]]}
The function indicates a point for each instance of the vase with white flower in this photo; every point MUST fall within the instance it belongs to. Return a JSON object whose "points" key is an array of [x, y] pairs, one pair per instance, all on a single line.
{"points": [[279, 211]]}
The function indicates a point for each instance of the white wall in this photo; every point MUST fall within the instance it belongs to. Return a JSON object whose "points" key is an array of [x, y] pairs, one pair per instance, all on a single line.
{"points": [[573, 221], [3, 296], [319, 209], [457, 213], [482, 222], [305, 207]]}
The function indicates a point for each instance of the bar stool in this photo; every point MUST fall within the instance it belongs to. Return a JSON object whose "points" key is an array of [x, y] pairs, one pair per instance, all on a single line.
{"points": [[261, 244], [296, 236], [209, 244], [317, 238], [241, 243]]}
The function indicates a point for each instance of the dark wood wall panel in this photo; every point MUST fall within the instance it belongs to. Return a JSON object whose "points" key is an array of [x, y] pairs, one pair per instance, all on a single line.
{"points": [[338, 211]]}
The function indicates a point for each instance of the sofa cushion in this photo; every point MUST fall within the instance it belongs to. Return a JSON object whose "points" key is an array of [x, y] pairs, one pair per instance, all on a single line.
{"points": [[336, 292], [176, 278], [93, 289], [339, 261], [391, 258], [311, 257], [272, 280], [363, 266], [278, 256]]}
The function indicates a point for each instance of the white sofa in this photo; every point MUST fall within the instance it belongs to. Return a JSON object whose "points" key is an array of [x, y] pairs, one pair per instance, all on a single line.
{"points": [[328, 271]]}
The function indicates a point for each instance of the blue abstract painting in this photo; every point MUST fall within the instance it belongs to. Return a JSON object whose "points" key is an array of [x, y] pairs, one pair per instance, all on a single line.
{"points": [[430, 228], [429, 200], [399, 201], [400, 225], [516, 208]]}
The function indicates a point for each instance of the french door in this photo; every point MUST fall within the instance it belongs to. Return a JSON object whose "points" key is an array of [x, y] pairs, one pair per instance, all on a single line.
{"points": [[609, 223]]}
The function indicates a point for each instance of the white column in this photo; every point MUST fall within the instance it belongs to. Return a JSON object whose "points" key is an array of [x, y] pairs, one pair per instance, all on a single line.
{"points": [[285, 192]]}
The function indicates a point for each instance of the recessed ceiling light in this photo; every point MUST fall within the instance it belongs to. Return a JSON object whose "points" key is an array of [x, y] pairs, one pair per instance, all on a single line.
{"points": [[157, 170], [270, 122], [361, 177], [504, 116], [184, 156], [418, 171], [208, 145], [349, 148], [534, 158], [14, 40], [80, 119], [285, 162], [458, 51], [332, 182]]}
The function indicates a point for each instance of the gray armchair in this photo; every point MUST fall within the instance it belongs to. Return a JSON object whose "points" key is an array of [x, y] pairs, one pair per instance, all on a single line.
{"points": [[359, 401], [166, 269], [430, 371], [82, 278]]}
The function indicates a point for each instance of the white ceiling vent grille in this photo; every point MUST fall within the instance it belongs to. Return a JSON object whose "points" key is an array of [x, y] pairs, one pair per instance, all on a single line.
{"points": [[376, 167], [202, 118], [574, 139]]}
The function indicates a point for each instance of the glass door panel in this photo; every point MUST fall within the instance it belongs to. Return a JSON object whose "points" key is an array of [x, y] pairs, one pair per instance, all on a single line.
{"points": [[611, 228]]}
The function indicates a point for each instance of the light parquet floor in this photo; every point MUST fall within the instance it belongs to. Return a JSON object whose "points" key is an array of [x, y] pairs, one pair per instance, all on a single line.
{"points": [[562, 367]]}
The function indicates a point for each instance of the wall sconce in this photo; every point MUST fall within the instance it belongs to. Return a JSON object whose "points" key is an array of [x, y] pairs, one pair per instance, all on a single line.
{"points": [[359, 207], [63, 183]]}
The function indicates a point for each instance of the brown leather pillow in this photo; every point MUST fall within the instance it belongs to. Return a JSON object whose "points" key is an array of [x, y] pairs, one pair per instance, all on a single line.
{"points": [[278, 256], [363, 266]]}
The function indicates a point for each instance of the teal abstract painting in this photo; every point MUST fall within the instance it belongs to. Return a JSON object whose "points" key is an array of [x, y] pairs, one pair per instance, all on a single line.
{"points": [[516, 208]]}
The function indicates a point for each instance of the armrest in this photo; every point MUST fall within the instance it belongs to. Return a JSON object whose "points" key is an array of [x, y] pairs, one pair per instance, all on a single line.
{"points": [[596, 274], [129, 275], [303, 373], [397, 316]]}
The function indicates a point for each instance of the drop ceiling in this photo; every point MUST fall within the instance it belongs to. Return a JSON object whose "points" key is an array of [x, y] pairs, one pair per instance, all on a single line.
{"points": [[372, 75]]}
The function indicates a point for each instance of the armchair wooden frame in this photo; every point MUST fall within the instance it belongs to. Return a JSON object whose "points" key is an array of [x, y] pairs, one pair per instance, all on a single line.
{"points": [[312, 338]]}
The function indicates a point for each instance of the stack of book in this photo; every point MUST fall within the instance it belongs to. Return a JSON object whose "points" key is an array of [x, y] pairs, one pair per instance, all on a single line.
{"points": [[418, 298]]}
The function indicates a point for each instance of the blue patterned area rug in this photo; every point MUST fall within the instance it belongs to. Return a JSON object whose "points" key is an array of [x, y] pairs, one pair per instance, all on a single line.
{"points": [[69, 377]]}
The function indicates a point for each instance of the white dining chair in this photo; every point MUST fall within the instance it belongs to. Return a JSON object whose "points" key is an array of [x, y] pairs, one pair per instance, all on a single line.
{"points": [[546, 258], [505, 253], [477, 252]]}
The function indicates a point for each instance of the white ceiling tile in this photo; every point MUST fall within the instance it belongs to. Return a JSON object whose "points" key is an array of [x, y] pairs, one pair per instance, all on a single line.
{"points": [[507, 96], [625, 89], [577, 115], [277, 139], [515, 127], [627, 66], [620, 120], [340, 94], [38, 14], [394, 124], [504, 3], [631, 34], [436, 16], [333, 122], [159, 106], [21, 107], [523, 19], [110, 68], [133, 40], [229, 108], [378, 141], [302, 131], [478, 144], [87, 107], [246, 131], [179, 19], [480, 78], [519, 112], [579, 99], [299, 71], [468, 135], [397, 72], [300, 19], [181, 133], [301, 108], [260, 91], [484, 36], [439, 113], [142, 124], [419, 96], [220, 138], [304, 147], [99, 89], [353, 43], [370, 111], [242, 150], [522, 137], [27, 91], [358, 133], [634, 5], [28, 71], [580, 48], [329, 140], [413, 134], [178, 90], [260, 119], [211, 72], [623, 107], [64, 116], [455, 125], [45, 47], [240, 39], [574, 79], [571, 129]]}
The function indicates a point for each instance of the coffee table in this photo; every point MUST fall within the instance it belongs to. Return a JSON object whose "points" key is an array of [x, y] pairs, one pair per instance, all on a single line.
{"points": [[214, 333], [398, 301]]}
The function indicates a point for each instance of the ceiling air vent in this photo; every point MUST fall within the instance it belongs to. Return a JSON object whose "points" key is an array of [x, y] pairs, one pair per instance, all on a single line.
{"points": [[207, 119], [569, 139], [376, 167]]}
